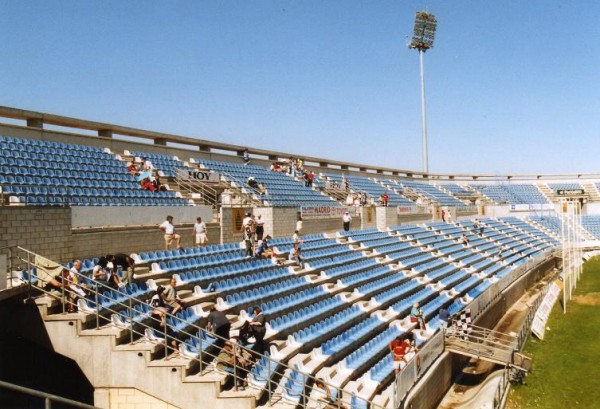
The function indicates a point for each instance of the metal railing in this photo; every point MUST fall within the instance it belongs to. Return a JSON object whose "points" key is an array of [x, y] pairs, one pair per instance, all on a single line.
{"points": [[136, 329], [47, 397], [276, 370]]}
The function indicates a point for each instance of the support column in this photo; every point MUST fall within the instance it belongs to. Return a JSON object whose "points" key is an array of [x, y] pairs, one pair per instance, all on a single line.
{"points": [[105, 133], [35, 123]]}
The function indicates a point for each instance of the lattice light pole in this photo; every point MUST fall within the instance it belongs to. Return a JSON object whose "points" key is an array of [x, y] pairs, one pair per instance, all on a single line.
{"points": [[423, 36]]}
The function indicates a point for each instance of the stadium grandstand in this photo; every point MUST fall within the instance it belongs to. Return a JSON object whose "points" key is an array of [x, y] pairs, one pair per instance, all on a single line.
{"points": [[73, 189]]}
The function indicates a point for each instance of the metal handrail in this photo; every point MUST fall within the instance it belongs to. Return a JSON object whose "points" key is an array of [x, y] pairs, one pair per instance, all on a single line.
{"points": [[48, 397], [271, 363]]}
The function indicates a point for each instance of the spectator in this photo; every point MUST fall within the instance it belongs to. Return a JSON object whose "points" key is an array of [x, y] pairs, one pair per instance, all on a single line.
{"points": [[246, 220], [199, 232], [258, 330], [444, 216], [265, 250], [126, 263], [296, 238], [64, 280], [169, 296], [311, 178], [100, 272], [346, 219], [235, 361], [246, 156], [416, 315], [262, 190], [148, 185], [384, 199], [132, 168], [249, 238], [326, 398], [251, 181], [399, 348], [219, 325], [146, 165], [296, 255], [259, 227], [77, 276], [444, 317], [464, 239], [158, 187], [299, 225], [169, 233]]}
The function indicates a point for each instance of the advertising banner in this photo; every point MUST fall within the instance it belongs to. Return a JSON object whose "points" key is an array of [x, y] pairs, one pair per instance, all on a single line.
{"points": [[198, 175], [323, 212]]}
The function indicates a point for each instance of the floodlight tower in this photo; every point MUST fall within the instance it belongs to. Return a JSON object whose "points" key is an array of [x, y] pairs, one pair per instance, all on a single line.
{"points": [[423, 36]]}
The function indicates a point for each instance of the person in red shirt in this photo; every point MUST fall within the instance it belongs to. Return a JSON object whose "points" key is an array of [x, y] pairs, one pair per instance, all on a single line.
{"points": [[147, 184], [400, 347], [384, 199]]}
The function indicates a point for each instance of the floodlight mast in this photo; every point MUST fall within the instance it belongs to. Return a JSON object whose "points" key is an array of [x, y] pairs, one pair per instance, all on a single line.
{"points": [[423, 36]]}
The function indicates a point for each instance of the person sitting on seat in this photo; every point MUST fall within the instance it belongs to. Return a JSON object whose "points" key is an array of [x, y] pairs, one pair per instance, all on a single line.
{"points": [[148, 185], [416, 315], [236, 361], [169, 296], [252, 182], [296, 255]]}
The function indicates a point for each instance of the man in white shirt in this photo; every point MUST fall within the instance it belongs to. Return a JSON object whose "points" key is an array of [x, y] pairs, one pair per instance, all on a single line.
{"points": [[200, 232], [169, 233], [346, 218], [146, 165]]}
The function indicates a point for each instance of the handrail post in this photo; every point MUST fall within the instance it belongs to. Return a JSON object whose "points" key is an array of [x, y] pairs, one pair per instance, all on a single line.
{"points": [[29, 271], [10, 266], [269, 379], [166, 339], [201, 349], [47, 403], [63, 294], [97, 305], [130, 321]]}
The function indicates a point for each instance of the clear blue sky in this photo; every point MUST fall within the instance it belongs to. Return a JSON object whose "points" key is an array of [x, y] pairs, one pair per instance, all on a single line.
{"points": [[512, 86]]}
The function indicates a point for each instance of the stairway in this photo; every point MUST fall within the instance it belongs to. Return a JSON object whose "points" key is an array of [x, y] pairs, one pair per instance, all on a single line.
{"points": [[111, 363]]}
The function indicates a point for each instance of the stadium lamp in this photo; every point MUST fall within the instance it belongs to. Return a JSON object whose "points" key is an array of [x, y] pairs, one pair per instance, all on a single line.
{"points": [[423, 36]]}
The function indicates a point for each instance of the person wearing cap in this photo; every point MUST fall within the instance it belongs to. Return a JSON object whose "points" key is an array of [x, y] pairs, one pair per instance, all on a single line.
{"points": [[346, 218]]}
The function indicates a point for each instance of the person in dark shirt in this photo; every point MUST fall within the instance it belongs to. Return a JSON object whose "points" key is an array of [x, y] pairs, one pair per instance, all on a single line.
{"points": [[219, 325], [126, 263], [259, 330]]}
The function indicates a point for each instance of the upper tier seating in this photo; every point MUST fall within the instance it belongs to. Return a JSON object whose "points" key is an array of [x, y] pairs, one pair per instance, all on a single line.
{"points": [[281, 189], [372, 188], [565, 186], [42, 173], [458, 190], [165, 164], [430, 192], [512, 194]]}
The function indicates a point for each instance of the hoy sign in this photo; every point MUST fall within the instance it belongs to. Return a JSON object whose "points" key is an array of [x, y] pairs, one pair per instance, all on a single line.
{"points": [[198, 175]]}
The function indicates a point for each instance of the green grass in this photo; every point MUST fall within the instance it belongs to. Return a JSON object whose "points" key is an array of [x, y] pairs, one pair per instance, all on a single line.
{"points": [[566, 364]]}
